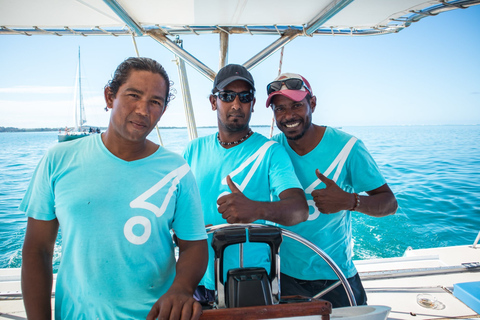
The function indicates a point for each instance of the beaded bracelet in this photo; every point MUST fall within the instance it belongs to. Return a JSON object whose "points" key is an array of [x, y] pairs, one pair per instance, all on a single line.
{"points": [[357, 201]]}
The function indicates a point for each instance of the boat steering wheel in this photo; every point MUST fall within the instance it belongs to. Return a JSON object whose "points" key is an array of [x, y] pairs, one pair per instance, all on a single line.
{"points": [[307, 243]]}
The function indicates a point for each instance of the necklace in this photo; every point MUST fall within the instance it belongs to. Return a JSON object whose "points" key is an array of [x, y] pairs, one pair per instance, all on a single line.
{"points": [[250, 132]]}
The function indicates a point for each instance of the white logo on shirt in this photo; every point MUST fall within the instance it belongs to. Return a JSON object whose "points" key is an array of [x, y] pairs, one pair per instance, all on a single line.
{"points": [[141, 202], [257, 157], [338, 163]]}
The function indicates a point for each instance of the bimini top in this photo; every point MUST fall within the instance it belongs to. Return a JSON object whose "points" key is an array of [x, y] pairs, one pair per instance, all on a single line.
{"points": [[177, 17], [161, 19]]}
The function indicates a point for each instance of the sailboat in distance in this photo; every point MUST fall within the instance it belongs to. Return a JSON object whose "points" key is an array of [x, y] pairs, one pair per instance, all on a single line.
{"points": [[80, 119]]}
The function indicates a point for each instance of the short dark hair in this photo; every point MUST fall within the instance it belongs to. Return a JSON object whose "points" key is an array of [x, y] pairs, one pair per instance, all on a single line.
{"points": [[140, 64]]}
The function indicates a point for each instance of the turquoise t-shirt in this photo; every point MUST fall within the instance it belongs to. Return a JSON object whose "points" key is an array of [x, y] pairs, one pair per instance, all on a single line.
{"points": [[262, 170], [346, 160], [116, 219]]}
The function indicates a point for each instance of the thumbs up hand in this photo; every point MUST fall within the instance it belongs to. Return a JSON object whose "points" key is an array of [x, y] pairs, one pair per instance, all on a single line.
{"points": [[233, 187], [236, 207], [332, 199]]}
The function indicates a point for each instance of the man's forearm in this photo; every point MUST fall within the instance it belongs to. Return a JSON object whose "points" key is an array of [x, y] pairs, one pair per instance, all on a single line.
{"points": [[191, 264], [378, 205], [380, 202], [290, 210], [37, 280]]}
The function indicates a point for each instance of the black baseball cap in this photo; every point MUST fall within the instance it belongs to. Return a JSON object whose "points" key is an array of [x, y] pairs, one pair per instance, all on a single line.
{"points": [[230, 73]]}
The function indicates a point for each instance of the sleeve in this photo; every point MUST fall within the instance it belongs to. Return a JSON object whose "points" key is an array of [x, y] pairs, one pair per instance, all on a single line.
{"points": [[363, 170], [190, 152], [281, 172], [39, 199], [186, 153], [188, 222]]}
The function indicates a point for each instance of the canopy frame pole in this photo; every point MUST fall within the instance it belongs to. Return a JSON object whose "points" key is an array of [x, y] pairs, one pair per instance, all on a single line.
{"points": [[183, 54], [326, 14], [288, 36], [187, 100], [123, 14], [135, 45], [223, 59]]}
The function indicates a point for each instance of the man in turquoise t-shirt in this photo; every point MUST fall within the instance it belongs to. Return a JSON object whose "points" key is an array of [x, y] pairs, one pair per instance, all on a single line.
{"points": [[242, 176], [116, 197], [333, 167]]}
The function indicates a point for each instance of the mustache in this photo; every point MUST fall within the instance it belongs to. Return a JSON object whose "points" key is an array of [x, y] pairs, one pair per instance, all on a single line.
{"points": [[236, 114], [139, 121]]}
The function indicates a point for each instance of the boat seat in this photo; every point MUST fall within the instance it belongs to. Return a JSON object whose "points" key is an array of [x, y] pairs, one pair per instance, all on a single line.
{"points": [[246, 287]]}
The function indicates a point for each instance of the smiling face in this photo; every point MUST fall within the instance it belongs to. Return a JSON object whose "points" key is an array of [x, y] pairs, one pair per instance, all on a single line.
{"points": [[137, 106], [293, 118], [233, 116]]}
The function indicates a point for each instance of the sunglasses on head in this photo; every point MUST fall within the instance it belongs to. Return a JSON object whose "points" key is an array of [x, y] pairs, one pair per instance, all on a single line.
{"points": [[291, 84], [229, 96]]}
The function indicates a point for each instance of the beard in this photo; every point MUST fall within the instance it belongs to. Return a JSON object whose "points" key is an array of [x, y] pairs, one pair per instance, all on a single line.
{"points": [[306, 125], [297, 137], [237, 124]]}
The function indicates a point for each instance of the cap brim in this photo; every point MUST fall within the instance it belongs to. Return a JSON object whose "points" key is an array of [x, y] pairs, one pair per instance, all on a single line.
{"points": [[295, 95], [229, 80]]}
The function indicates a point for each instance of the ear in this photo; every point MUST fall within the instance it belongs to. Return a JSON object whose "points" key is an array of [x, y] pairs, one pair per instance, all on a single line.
{"points": [[313, 103], [107, 92], [213, 101], [253, 103]]}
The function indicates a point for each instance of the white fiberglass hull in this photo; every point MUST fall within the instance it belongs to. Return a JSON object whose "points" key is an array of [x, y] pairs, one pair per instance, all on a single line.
{"points": [[394, 283]]}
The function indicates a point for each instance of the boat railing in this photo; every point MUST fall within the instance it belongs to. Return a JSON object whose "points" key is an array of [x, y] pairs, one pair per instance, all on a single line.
{"points": [[476, 240]]}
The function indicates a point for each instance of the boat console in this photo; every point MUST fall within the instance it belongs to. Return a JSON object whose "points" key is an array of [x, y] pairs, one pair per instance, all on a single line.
{"points": [[254, 293], [247, 286]]}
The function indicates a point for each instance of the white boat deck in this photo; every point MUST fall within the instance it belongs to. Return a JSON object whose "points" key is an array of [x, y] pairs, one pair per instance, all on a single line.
{"points": [[400, 292], [11, 302], [385, 281]]}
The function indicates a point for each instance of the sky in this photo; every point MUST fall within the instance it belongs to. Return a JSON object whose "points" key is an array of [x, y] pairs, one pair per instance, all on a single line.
{"points": [[427, 74]]}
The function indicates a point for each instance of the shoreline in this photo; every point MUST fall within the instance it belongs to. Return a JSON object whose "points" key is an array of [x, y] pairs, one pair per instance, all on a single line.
{"points": [[15, 129]]}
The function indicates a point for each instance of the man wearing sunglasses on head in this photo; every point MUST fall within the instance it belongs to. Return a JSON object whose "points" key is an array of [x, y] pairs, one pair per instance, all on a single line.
{"points": [[242, 176], [333, 168]]}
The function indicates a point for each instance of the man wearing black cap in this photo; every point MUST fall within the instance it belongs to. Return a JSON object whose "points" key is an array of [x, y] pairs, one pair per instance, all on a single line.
{"points": [[242, 176], [333, 168]]}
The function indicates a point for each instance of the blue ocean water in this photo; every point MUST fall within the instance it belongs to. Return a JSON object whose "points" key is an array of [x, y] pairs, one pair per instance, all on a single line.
{"points": [[434, 172]]}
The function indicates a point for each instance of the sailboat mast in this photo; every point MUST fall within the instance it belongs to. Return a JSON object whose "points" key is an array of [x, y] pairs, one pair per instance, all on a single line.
{"points": [[80, 97]]}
